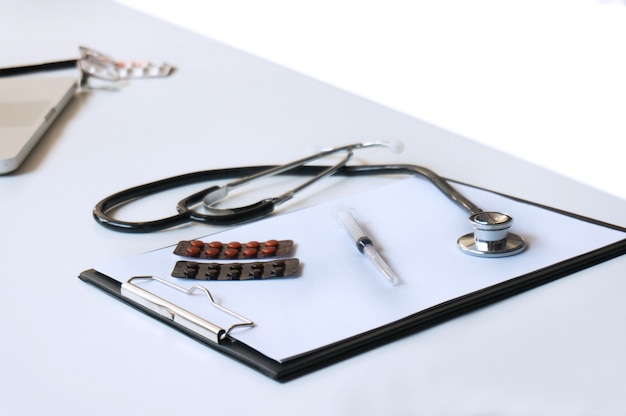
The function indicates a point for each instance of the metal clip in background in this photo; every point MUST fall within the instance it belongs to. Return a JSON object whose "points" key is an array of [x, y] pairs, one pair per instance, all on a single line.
{"points": [[96, 65]]}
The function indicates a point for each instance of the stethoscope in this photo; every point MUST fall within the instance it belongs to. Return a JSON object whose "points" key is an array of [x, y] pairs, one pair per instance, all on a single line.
{"points": [[490, 238]]}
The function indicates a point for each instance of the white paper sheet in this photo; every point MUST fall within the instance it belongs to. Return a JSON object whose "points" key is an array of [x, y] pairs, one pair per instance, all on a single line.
{"points": [[339, 294]]}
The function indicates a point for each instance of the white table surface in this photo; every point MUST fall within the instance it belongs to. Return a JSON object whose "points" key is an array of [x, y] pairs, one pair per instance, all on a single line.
{"points": [[69, 349]]}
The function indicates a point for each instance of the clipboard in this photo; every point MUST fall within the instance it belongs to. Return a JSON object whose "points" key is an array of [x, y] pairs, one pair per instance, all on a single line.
{"points": [[459, 294]]}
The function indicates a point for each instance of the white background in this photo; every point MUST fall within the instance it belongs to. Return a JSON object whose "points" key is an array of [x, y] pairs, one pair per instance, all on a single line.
{"points": [[543, 80]]}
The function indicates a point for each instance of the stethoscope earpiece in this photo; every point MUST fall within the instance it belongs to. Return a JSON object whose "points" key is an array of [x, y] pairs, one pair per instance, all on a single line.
{"points": [[491, 237]]}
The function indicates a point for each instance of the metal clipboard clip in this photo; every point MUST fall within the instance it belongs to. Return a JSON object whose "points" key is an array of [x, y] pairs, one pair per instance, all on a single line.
{"points": [[179, 315]]}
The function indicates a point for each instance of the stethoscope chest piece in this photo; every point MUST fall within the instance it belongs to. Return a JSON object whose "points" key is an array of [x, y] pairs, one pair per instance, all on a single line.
{"points": [[491, 237]]}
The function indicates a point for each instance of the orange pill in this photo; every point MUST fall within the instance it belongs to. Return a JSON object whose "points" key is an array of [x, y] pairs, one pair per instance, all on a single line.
{"points": [[249, 252], [197, 243], [268, 251], [231, 253], [212, 252], [253, 244], [234, 244], [193, 251], [215, 244], [271, 243]]}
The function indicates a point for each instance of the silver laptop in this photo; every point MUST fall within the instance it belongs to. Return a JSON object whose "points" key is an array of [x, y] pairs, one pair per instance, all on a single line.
{"points": [[28, 106]]}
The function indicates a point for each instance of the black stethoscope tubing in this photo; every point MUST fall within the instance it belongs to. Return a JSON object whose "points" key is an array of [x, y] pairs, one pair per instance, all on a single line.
{"points": [[102, 211]]}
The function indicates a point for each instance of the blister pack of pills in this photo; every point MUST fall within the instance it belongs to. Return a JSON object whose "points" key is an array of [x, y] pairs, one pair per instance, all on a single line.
{"points": [[257, 270], [216, 250]]}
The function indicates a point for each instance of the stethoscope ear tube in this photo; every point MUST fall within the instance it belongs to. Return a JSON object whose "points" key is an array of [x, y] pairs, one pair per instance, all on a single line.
{"points": [[103, 210], [228, 216]]}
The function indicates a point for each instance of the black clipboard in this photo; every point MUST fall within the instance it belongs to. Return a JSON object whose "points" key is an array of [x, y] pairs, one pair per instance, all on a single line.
{"points": [[380, 335], [349, 347]]}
